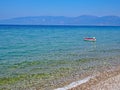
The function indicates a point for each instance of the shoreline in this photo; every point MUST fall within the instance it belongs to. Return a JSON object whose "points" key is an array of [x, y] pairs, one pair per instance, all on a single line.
{"points": [[75, 84], [102, 80]]}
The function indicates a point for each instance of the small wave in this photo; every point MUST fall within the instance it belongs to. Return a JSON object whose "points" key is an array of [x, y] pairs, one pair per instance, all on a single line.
{"points": [[74, 84]]}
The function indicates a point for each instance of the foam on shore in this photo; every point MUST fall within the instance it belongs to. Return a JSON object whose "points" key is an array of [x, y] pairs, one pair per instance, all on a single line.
{"points": [[75, 84]]}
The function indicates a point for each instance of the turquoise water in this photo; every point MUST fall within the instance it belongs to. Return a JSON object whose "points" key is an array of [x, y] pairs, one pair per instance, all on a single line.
{"points": [[48, 45], [37, 42]]}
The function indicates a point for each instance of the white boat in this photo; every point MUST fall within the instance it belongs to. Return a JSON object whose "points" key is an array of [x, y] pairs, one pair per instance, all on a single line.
{"points": [[90, 39]]}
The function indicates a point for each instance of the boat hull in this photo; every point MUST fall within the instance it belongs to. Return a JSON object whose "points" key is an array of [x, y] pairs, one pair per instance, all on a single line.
{"points": [[90, 39]]}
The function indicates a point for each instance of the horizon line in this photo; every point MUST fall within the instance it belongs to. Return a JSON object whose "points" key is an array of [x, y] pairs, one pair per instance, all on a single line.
{"points": [[58, 16], [61, 25]]}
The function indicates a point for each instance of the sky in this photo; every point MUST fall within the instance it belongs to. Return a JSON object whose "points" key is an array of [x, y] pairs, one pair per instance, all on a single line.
{"points": [[70, 8]]}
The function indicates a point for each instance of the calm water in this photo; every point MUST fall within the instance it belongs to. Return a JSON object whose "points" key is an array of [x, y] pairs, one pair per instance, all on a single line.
{"points": [[57, 43], [19, 43]]}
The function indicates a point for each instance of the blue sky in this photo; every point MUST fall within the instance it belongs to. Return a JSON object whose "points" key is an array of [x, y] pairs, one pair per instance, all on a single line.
{"points": [[22, 8]]}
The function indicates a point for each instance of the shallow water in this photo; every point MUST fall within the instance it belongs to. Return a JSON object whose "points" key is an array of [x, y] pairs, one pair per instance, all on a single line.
{"points": [[49, 53]]}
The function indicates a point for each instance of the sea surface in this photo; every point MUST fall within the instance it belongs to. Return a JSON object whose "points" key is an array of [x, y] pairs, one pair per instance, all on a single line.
{"points": [[34, 56]]}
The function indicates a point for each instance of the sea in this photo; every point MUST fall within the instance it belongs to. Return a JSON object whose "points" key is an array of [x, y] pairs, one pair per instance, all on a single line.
{"points": [[46, 57]]}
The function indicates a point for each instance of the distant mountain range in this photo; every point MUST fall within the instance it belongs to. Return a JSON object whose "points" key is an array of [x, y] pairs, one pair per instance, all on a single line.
{"points": [[61, 20]]}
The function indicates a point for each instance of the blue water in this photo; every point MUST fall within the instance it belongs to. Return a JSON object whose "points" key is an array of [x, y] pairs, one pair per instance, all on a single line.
{"points": [[19, 43], [56, 43]]}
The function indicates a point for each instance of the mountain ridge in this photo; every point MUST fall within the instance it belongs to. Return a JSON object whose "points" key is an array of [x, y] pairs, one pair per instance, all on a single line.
{"points": [[63, 20]]}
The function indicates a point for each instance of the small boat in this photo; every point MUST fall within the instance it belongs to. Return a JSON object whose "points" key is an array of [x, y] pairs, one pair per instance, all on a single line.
{"points": [[90, 39]]}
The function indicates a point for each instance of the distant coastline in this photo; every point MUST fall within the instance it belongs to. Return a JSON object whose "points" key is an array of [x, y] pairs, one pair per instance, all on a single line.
{"points": [[84, 20]]}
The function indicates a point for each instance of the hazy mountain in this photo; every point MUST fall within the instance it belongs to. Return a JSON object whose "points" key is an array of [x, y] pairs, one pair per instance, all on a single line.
{"points": [[61, 20]]}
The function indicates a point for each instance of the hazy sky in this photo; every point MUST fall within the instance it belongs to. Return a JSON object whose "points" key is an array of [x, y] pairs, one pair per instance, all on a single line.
{"points": [[21, 8]]}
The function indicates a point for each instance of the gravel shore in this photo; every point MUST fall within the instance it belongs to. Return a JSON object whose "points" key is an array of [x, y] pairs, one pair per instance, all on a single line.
{"points": [[107, 80]]}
